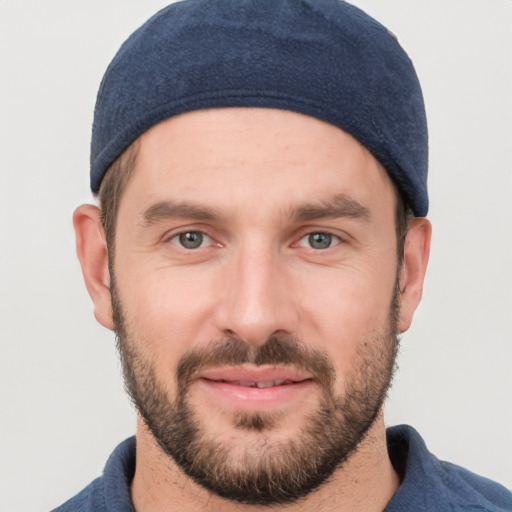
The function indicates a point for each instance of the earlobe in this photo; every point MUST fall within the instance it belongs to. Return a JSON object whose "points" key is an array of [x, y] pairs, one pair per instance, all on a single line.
{"points": [[91, 248], [416, 254]]}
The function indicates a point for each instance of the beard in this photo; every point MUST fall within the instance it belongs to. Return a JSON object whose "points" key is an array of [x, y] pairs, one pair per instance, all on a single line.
{"points": [[262, 471]]}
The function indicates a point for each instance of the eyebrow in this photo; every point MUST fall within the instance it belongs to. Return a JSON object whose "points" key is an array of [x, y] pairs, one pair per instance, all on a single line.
{"points": [[340, 205], [170, 209]]}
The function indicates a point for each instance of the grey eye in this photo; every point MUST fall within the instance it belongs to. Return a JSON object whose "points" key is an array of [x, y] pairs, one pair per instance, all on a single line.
{"points": [[320, 240], [191, 239]]}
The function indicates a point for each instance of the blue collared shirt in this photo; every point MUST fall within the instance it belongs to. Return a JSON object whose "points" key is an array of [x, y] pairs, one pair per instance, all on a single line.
{"points": [[428, 484]]}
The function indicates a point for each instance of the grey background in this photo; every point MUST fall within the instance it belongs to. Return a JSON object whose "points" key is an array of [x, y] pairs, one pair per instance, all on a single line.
{"points": [[62, 404]]}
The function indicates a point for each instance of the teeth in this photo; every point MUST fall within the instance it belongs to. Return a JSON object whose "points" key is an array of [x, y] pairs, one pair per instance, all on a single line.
{"points": [[267, 384], [244, 384]]}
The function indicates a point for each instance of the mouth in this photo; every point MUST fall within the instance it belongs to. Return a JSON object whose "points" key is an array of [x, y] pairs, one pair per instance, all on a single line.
{"points": [[260, 385], [252, 388]]}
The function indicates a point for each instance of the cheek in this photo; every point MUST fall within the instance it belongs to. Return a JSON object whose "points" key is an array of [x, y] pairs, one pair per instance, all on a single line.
{"points": [[167, 308], [346, 309]]}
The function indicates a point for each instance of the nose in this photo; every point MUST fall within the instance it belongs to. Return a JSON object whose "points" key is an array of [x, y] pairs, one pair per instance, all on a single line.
{"points": [[256, 299]]}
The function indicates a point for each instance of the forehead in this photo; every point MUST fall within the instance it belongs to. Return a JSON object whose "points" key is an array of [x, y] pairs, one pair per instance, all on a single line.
{"points": [[241, 157]]}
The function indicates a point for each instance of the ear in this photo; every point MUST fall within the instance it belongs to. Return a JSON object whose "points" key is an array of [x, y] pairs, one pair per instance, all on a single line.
{"points": [[412, 274], [91, 248]]}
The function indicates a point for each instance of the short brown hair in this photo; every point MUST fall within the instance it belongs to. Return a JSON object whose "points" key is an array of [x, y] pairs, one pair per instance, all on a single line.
{"points": [[120, 171], [111, 191]]}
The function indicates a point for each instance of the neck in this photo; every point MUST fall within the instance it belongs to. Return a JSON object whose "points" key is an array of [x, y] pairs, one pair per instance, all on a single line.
{"points": [[366, 482]]}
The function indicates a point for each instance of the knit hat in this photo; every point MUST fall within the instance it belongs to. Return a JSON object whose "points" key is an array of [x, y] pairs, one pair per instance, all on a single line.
{"points": [[323, 58]]}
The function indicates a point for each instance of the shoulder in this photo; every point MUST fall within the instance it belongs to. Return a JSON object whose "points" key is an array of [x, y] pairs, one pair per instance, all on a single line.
{"points": [[466, 483], [111, 491], [429, 484], [88, 499]]}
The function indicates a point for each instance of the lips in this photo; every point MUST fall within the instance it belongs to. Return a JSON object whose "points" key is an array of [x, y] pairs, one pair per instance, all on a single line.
{"points": [[250, 387], [267, 384], [252, 376]]}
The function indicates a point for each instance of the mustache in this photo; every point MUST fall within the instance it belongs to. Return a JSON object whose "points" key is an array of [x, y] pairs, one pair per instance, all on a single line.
{"points": [[275, 351]]}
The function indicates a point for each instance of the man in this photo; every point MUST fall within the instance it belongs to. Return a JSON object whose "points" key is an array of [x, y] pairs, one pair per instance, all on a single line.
{"points": [[261, 243]]}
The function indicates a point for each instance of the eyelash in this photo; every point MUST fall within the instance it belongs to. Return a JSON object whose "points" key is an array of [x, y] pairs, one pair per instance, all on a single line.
{"points": [[333, 240], [179, 239]]}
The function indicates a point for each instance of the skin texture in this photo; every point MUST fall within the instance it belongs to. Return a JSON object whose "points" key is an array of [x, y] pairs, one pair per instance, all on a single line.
{"points": [[258, 183]]}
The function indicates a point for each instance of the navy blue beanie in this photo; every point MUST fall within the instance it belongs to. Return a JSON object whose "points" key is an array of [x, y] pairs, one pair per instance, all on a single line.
{"points": [[322, 58]]}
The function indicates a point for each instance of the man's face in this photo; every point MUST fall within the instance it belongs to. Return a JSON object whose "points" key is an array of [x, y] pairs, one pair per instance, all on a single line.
{"points": [[255, 299]]}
